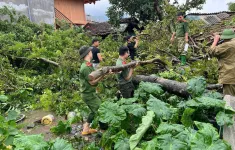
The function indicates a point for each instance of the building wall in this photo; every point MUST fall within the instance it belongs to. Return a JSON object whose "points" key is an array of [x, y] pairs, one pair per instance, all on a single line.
{"points": [[73, 10], [38, 11]]}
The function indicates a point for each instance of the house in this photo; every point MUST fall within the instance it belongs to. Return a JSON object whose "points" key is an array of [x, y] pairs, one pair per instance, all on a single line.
{"points": [[46, 11]]}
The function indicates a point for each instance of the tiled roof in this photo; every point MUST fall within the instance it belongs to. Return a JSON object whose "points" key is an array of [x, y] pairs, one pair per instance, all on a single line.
{"points": [[102, 28], [210, 18]]}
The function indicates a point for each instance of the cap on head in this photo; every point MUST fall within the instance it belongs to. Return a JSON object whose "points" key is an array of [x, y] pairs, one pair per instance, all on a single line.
{"points": [[227, 34], [84, 50], [180, 14]]}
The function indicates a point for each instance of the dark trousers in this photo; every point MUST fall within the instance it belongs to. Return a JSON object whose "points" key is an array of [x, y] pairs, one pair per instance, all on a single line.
{"points": [[132, 55], [127, 90]]}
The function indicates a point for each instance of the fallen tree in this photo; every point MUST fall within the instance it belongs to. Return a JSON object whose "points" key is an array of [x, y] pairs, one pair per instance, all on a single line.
{"points": [[175, 87], [104, 70]]}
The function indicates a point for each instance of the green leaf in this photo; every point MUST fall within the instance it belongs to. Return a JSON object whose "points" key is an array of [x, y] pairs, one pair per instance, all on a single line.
{"points": [[167, 142], [206, 102], [161, 109], [186, 136], [62, 128], [3, 98], [135, 109], [207, 138], [128, 101], [144, 126], [213, 94], [186, 118], [111, 113], [146, 88], [196, 86], [12, 115], [28, 142], [173, 129], [150, 145], [224, 119], [61, 144], [121, 141]]}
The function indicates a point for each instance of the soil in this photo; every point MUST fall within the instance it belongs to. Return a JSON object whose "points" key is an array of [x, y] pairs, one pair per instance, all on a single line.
{"points": [[34, 117]]}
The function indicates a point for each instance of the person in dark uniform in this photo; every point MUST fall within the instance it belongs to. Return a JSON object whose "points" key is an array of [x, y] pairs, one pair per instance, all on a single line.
{"points": [[132, 44], [97, 58]]}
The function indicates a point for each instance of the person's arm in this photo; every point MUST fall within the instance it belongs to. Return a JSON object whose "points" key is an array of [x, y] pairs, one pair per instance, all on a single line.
{"points": [[99, 55], [173, 37], [129, 74], [215, 50], [94, 82], [186, 31], [216, 40], [136, 43]]}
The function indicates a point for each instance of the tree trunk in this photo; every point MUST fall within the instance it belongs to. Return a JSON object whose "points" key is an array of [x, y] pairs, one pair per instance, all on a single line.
{"points": [[175, 87], [102, 71]]}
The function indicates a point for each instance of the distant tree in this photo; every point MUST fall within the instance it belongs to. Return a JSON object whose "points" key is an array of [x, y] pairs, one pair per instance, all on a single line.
{"points": [[145, 10], [231, 6]]}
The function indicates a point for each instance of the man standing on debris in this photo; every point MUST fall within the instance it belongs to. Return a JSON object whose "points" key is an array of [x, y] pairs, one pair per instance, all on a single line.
{"points": [[225, 53], [97, 58], [181, 34], [124, 78], [88, 89], [132, 44]]}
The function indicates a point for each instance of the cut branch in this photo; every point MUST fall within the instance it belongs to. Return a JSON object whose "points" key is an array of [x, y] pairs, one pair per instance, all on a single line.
{"points": [[175, 87], [102, 71]]}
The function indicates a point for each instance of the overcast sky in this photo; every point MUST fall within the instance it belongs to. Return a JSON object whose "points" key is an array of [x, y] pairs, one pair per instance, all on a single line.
{"points": [[98, 10]]}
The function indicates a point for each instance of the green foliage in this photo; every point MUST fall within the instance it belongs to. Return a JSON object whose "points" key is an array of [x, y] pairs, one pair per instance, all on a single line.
{"points": [[60, 144], [62, 128], [196, 86], [144, 126], [224, 119], [231, 6], [111, 113], [186, 118], [173, 129], [121, 141]]}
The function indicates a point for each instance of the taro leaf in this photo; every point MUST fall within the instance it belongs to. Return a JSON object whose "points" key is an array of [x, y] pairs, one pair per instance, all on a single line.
{"points": [[161, 109], [121, 141], [167, 142], [229, 110], [213, 94], [186, 118], [111, 113], [62, 128], [206, 102], [144, 126], [173, 129], [196, 86], [207, 138], [134, 109], [12, 115], [3, 98], [128, 101], [32, 142], [146, 88], [61, 144], [122, 144], [150, 145], [224, 119], [186, 136]]}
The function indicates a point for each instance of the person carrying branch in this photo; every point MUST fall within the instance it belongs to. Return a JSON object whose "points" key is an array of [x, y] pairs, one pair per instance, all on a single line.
{"points": [[88, 89], [97, 58], [225, 53], [132, 44], [124, 77], [181, 34]]}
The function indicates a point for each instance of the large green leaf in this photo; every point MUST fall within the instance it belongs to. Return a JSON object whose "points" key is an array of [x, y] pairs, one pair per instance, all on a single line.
{"points": [[146, 88], [186, 136], [3, 98], [167, 142], [30, 142], [111, 113], [173, 129], [135, 109], [62, 127], [196, 86], [224, 119], [61, 144], [12, 115], [161, 109], [125, 101], [144, 126], [121, 141], [150, 145], [186, 118], [206, 102], [207, 138]]}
